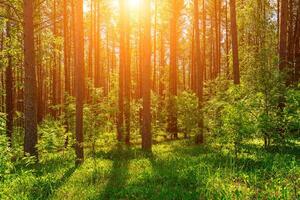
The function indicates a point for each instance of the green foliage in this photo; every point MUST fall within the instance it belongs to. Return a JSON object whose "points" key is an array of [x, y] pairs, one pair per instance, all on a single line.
{"points": [[6, 164], [187, 104], [159, 116], [69, 112], [52, 136], [292, 113], [135, 108], [233, 121], [99, 116]]}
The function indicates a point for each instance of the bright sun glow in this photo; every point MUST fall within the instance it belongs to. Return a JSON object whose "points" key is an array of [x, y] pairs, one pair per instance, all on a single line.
{"points": [[134, 4]]}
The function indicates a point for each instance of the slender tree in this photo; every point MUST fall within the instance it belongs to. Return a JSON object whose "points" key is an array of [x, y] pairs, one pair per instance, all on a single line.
{"points": [[234, 38], [79, 75], [199, 73], [54, 64], [161, 86], [204, 38], [9, 86], [297, 45], [283, 35], [226, 39], [173, 72], [30, 97], [97, 43], [122, 64], [67, 56], [154, 80], [127, 76], [146, 73]]}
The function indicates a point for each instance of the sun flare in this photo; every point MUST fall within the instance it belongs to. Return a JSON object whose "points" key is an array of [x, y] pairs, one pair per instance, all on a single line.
{"points": [[133, 4]]}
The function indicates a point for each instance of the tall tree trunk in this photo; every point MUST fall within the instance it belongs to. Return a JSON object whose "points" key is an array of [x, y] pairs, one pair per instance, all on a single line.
{"points": [[90, 53], [122, 64], [2, 84], [9, 86], [193, 73], [54, 67], [127, 76], [290, 43], [2, 81], [154, 49], [297, 46], [30, 97], [40, 72], [161, 66], [79, 51], [283, 35], [146, 73], [97, 41], [204, 39], [234, 37], [67, 77], [66, 49], [73, 41], [227, 70], [199, 74], [212, 54], [283, 53], [217, 38], [172, 110]]}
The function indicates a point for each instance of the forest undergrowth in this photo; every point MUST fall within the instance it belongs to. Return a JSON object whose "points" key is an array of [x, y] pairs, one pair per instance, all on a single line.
{"points": [[174, 170]]}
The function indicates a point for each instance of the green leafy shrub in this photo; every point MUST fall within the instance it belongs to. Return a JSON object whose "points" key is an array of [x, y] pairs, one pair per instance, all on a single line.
{"points": [[187, 104], [99, 116], [159, 116], [232, 121], [52, 136], [6, 164], [292, 113]]}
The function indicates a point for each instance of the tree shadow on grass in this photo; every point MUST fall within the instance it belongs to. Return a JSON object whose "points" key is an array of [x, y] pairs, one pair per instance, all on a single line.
{"points": [[172, 179], [164, 181], [51, 165], [44, 188], [285, 149], [119, 172]]}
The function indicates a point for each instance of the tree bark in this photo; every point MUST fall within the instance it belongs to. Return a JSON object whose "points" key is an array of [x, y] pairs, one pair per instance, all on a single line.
{"points": [[146, 73], [172, 109], [122, 64], [234, 37], [297, 46], [9, 87], [79, 75], [283, 35], [199, 74], [30, 97], [127, 76]]}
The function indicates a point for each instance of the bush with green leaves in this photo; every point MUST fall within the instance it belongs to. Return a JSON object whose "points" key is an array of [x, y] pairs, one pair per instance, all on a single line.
{"points": [[52, 136], [159, 116], [135, 108], [265, 83], [6, 164], [230, 117], [187, 105], [99, 116], [292, 113]]}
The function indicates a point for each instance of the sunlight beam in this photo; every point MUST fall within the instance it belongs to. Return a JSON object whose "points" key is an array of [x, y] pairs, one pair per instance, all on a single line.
{"points": [[133, 4]]}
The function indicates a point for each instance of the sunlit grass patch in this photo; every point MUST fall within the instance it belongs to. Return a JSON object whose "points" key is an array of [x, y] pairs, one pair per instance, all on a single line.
{"points": [[174, 170]]}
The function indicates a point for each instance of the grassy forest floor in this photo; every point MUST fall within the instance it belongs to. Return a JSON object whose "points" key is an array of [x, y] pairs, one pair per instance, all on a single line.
{"points": [[174, 170]]}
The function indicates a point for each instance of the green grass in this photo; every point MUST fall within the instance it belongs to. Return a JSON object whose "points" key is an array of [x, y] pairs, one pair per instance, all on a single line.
{"points": [[174, 170]]}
